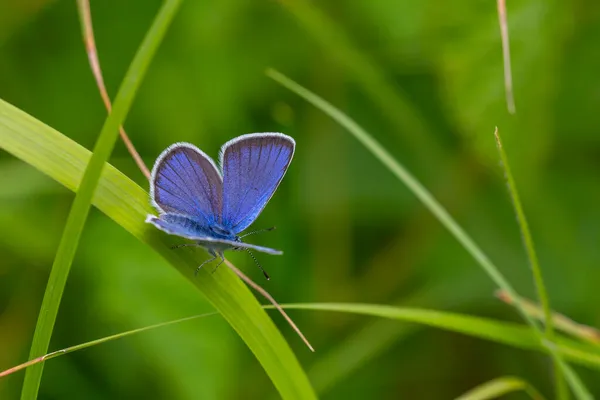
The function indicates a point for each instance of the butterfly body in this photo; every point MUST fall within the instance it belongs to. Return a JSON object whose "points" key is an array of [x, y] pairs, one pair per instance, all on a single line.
{"points": [[210, 205]]}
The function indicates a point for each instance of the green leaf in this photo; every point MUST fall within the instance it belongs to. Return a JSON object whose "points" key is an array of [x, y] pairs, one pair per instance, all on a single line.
{"points": [[500, 386], [127, 204], [83, 198]]}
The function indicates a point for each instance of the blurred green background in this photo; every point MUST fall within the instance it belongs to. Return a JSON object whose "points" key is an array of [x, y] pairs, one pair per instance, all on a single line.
{"points": [[425, 78]]}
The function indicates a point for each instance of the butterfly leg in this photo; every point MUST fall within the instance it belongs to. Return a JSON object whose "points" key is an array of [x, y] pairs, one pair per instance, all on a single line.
{"points": [[205, 262], [220, 262]]}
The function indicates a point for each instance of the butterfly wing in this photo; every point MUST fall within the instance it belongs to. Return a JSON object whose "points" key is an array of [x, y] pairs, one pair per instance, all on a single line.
{"points": [[182, 226], [253, 166], [186, 181]]}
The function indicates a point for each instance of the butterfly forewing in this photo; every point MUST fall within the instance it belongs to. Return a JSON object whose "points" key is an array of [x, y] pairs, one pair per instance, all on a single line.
{"points": [[253, 166], [186, 181]]}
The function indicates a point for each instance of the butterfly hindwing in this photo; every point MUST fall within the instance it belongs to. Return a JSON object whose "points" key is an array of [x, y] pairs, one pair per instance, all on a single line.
{"points": [[253, 166]]}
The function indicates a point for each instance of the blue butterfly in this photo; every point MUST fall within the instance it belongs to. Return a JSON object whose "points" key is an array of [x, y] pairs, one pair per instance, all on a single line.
{"points": [[210, 205]]}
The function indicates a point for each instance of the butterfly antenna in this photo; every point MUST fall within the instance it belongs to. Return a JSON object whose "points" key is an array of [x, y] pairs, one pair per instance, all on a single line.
{"points": [[258, 231], [258, 264]]}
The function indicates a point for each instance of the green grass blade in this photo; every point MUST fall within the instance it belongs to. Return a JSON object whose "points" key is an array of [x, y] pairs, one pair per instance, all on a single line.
{"points": [[499, 387], [71, 349], [429, 201], [542, 293], [83, 198], [506, 333], [127, 204], [403, 175]]}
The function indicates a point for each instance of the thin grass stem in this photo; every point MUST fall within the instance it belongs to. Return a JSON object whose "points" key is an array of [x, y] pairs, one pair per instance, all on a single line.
{"points": [[533, 261], [508, 81], [527, 240], [432, 204], [105, 339], [505, 333], [561, 322], [85, 17], [83, 198], [266, 295]]}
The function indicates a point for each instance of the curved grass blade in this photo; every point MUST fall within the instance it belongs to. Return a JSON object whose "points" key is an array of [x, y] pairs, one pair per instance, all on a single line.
{"points": [[83, 198], [127, 204], [511, 334], [499, 387], [71, 349], [507, 333], [434, 207]]}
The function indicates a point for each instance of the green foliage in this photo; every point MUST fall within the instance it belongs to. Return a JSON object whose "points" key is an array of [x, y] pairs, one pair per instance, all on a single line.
{"points": [[425, 78], [499, 387]]}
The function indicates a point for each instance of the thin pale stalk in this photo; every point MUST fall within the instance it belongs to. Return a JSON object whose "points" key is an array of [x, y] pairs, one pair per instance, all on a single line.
{"points": [[508, 83], [85, 17], [505, 333], [83, 198], [271, 299], [85, 345], [561, 322], [428, 201]]}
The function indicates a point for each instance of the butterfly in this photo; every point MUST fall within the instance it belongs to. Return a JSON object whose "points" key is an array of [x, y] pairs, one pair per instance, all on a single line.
{"points": [[212, 205]]}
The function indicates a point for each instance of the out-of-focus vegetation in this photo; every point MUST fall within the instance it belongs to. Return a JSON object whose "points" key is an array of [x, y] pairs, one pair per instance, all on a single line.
{"points": [[424, 78]]}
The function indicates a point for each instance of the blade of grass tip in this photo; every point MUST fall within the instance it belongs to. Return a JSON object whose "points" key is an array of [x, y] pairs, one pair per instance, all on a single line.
{"points": [[85, 17], [533, 260], [508, 84], [499, 387], [560, 321], [96, 342], [266, 295], [527, 240], [83, 198], [419, 191]]}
